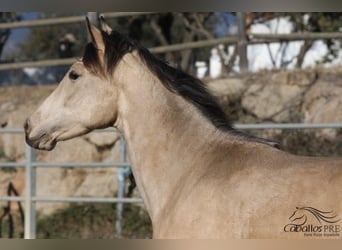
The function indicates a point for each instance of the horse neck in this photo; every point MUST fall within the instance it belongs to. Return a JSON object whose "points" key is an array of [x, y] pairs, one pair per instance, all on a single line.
{"points": [[165, 135]]}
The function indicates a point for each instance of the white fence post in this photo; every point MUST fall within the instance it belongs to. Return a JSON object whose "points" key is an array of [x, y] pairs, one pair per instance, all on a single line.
{"points": [[30, 191], [121, 187]]}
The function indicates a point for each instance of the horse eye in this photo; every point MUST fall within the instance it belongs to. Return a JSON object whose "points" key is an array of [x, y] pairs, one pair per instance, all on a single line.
{"points": [[73, 75]]}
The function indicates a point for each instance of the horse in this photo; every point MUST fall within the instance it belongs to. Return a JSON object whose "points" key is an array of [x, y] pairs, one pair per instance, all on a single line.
{"points": [[198, 176]]}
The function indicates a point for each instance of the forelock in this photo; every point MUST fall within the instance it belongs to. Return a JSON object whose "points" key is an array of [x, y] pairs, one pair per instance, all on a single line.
{"points": [[91, 60], [116, 46]]}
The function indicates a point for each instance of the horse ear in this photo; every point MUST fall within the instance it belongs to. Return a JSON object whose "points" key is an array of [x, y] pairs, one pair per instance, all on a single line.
{"points": [[96, 36], [104, 26]]}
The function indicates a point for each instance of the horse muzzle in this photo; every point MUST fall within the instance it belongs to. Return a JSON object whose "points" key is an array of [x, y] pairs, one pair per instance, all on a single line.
{"points": [[38, 139]]}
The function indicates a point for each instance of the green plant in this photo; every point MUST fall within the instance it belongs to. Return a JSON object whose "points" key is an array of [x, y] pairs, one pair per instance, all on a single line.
{"points": [[94, 221]]}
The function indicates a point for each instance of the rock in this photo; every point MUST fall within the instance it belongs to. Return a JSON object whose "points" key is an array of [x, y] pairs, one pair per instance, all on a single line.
{"points": [[114, 154], [273, 98], [98, 183], [17, 103], [67, 182], [57, 182], [232, 87], [102, 181], [227, 91], [14, 144], [295, 77], [5, 178], [103, 139], [7, 107], [74, 150], [322, 105]]}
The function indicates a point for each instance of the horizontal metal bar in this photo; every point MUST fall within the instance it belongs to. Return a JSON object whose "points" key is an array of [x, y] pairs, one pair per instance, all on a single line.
{"points": [[12, 164], [67, 164], [21, 130], [81, 164], [108, 15], [41, 63], [297, 36], [288, 126], [193, 45], [12, 198], [106, 130], [237, 126], [64, 20], [255, 39], [159, 49], [87, 199], [74, 199], [12, 130]]}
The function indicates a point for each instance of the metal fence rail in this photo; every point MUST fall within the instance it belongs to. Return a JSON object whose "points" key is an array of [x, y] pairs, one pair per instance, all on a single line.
{"points": [[30, 198], [30, 164], [289, 126], [65, 20], [242, 39]]}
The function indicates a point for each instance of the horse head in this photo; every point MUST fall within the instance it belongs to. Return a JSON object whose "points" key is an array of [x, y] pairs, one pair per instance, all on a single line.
{"points": [[84, 100], [302, 214], [298, 217]]}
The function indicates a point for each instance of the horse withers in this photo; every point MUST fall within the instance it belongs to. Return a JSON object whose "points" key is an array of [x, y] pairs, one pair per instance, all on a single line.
{"points": [[198, 177]]}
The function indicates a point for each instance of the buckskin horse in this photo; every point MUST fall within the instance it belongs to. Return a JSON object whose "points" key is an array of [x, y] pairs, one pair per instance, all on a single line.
{"points": [[198, 177]]}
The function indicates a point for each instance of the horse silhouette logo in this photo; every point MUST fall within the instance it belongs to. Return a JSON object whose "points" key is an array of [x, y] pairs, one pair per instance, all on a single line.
{"points": [[309, 219], [301, 215]]}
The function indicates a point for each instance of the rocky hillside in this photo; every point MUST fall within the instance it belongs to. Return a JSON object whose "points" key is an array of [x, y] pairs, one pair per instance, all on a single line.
{"points": [[291, 96]]}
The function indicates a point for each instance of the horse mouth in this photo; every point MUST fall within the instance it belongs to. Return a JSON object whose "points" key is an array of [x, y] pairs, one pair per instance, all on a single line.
{"points": [[41, 141]]}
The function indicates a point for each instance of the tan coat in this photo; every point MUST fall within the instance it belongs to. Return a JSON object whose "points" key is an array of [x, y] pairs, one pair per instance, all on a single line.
{"points": [[196, 180]]}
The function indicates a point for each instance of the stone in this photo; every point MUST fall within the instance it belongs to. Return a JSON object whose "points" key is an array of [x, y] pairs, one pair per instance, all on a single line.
{"points": [[103, 139], [68, 182], [226, 91], [273, 98], [232, 87], [74, 150], [14, 144], [321, 104]]}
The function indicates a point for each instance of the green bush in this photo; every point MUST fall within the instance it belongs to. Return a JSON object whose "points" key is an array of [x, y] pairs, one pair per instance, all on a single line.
{"points": [[94, 221]]}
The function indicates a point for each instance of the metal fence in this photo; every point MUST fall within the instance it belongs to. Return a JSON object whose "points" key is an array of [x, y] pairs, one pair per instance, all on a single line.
{"points": [[242, 39], [30, 164], [29, 198]]}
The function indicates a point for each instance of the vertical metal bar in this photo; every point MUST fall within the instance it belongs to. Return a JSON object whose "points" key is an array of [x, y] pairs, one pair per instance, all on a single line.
{"points": [[123, 152], [93, 18], [242, 43], [121, 188], [119, 205], [30, 191]]}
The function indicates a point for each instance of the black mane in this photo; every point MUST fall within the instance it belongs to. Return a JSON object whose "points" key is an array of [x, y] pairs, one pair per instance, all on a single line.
{"points": [[175, 80]]}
